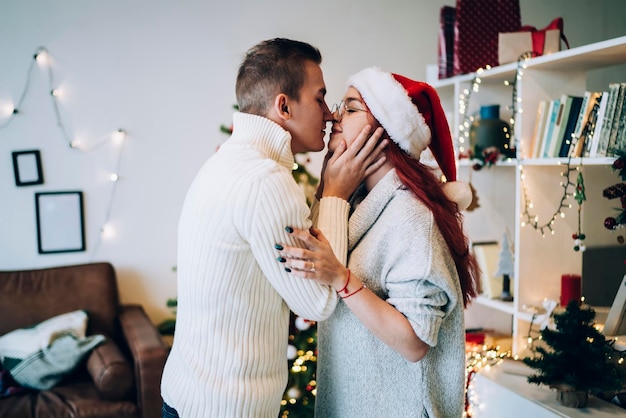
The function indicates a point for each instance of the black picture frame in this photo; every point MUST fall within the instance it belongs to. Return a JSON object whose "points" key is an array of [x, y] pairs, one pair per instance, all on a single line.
{"points": [[27, 168], [60, 222]]}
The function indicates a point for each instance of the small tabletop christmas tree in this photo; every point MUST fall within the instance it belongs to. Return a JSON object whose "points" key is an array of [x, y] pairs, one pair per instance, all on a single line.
{"points": [[579, 361], [505, 269]]}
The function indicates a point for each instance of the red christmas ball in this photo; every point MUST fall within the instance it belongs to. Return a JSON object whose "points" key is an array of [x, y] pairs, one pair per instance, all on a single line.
{"points": [[620, 239], [618, 164], [610, 223], [623, 200]]}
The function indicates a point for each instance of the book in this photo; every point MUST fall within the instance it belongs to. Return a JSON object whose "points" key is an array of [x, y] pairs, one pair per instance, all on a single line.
{"points": [[583, 106], [585, 125], [569, 121], [540, 123], [619, 104], [607, 121], [597, 128], [557, 131], [620, 142], [553, 110]]}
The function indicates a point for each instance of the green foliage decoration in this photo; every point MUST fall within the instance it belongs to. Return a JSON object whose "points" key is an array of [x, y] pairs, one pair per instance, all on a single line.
{"points": [[579, 357]]}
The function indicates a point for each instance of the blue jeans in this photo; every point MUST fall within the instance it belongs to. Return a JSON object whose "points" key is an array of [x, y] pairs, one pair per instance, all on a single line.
{"points": [[168, 412]]}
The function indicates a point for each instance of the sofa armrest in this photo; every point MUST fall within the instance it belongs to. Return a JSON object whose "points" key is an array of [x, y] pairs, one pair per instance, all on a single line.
{"points": [[149, 353], [111, 372]]}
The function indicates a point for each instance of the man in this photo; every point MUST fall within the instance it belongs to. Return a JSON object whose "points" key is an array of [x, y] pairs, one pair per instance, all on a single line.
{"points": [[229, 353]]}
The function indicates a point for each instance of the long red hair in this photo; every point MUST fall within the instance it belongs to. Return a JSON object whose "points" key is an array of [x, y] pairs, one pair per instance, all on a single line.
{"points": [[423, 182]]}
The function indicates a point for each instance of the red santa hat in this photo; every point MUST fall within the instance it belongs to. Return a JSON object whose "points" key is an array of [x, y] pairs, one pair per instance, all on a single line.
{"points": [[411, 113]]}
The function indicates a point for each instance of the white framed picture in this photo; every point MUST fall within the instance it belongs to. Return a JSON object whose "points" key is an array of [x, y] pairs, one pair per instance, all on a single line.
{"points": [[60, 222]]}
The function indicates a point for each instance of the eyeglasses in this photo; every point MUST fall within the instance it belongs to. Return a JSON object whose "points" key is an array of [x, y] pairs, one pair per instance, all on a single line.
{"points": [[342, 108]]}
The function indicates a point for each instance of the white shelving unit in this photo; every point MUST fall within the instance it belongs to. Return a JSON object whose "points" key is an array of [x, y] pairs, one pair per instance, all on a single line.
{"points": [[539, 260]]}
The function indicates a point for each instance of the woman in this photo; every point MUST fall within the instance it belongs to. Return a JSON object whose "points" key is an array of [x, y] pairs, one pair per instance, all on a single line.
{"points": [[394, 345]]}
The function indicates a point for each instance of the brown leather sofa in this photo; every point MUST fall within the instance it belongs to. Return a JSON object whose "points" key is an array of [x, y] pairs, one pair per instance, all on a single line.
{"points": [[120, 378]]}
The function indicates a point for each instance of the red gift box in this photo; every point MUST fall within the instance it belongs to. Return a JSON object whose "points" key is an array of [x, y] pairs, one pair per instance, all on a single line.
{"points": [[476, 28]]}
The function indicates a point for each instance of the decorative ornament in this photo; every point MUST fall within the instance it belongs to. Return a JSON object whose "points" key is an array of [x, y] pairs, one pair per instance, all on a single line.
{"points": [[302, 324], [292, 352], [485, 157], [619, 164], [580, 197], [617, 191], [294, 393], [505, 269]]}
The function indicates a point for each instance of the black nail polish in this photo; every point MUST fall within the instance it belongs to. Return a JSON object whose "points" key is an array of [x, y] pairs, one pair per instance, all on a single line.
{"points": [[287, 269], [289, 229], [281, 259], [278, 247]]}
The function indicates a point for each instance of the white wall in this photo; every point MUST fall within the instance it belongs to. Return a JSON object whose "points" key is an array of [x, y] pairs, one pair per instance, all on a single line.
{"points": [[164, 71]]}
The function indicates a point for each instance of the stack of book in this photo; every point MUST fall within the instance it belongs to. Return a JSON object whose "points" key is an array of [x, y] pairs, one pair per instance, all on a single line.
{"points": [[592, 125]]}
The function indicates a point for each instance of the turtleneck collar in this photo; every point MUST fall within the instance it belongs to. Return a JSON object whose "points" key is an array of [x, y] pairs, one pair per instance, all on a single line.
{"points": [[266, 135]]}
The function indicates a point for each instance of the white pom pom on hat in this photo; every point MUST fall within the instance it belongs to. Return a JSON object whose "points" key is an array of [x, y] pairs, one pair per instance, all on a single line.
{"points": [[411, 113]]}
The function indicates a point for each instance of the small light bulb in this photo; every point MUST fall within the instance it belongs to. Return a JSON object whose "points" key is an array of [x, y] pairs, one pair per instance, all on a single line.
{"points": [[107, 231], [119, 136], [8, 109], [42, 58], [114, 177]]}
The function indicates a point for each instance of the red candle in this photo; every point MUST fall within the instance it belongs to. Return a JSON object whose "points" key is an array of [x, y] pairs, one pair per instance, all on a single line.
{"points": [[571, 288]]}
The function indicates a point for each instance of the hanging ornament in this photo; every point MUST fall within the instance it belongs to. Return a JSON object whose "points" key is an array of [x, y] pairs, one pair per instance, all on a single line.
{"points": [[302, 324], [580, 197], [294, 393], [292, 352], [617, 191]]}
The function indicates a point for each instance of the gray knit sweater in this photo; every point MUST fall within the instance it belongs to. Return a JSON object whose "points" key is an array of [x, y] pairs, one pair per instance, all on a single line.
{"points": [[400, 254]]}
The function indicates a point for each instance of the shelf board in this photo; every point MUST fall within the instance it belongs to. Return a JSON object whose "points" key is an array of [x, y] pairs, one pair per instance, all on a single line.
{"points": [[510, 162], [548, 162], [586, 57], [562, 161], [506, 307]]}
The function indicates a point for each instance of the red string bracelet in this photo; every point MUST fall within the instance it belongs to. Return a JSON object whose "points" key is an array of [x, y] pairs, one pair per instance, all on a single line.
{"points": [[345, 288], [355, 292]]}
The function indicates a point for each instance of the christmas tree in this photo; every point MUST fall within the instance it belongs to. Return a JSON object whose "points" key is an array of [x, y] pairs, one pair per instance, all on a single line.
{"points": [[299, 397], [579, 358]]}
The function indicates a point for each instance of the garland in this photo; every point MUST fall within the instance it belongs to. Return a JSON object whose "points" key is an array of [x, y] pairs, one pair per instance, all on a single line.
{"points": [[118, 137]]}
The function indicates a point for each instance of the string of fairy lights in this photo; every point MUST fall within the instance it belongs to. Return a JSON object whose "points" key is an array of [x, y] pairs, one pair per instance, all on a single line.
{"points": [[10, 111], [569, 188], [486, 357]]}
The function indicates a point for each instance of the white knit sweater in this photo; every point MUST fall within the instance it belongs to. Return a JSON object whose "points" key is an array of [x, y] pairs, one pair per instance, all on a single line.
{"points": [[229, 357]]}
